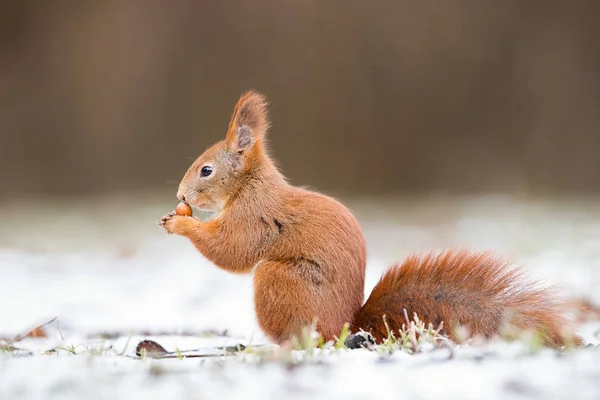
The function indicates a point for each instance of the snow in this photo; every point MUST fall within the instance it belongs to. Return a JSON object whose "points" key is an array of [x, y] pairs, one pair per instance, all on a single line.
{"points": [[104, 267]]}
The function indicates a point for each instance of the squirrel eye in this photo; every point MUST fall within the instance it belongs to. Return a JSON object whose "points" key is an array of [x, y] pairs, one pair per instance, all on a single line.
{"points": [[206, 171]]}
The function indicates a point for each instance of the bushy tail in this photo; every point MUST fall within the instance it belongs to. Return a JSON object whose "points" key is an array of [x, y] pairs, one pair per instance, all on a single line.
{"points": [[474, 291]]}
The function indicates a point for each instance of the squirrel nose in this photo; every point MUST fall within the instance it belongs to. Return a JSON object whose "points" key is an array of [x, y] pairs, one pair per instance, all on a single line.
{"points": [[181, 196]]}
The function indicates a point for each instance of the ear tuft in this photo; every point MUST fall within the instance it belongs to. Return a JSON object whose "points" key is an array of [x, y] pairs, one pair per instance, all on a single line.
{"points": [[251, 112]]}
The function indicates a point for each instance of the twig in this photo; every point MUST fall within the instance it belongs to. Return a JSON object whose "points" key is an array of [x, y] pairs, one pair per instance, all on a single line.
{"points": [[59, 331], [167, 355], [22, 336]]}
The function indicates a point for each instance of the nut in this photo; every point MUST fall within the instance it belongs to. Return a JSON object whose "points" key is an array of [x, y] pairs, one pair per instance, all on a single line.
{"points": [[183, 209]]}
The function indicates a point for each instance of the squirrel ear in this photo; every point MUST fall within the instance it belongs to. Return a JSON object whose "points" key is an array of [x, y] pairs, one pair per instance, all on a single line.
{"points": [[249, 116], [244, 140]]}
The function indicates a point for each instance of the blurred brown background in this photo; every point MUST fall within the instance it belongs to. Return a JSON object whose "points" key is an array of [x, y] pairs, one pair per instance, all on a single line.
{"points": [[367, 97]]}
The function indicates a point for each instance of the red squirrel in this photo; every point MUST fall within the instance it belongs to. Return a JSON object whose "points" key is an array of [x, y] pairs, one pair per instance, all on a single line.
{"points": [[308, 255]]}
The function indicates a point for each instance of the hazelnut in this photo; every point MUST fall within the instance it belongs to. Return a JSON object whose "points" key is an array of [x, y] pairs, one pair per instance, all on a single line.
{"points": [[183, 209], [151, 348]]}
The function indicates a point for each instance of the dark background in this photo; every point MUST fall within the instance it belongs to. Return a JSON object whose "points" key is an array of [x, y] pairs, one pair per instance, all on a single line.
{"points": [[367, 97]]}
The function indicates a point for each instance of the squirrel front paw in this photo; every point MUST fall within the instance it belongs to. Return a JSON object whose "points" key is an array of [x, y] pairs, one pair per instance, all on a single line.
{"points": [[173, 223], [166, 218]]}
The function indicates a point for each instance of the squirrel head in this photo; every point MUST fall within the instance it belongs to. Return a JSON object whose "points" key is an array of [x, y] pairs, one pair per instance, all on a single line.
{"points": [[216, 175]]}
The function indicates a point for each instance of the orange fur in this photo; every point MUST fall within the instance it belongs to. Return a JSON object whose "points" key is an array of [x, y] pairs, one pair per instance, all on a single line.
{"points": [[308, 252], [307, 249], [250, 110], [476, 291]]}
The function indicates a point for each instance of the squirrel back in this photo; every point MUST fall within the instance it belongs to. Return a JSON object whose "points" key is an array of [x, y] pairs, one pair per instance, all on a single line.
{"points": [[308, 253]]}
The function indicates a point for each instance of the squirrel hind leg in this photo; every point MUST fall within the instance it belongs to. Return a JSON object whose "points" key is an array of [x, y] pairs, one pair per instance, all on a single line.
{"points": [[276, 300], [293, 294]]}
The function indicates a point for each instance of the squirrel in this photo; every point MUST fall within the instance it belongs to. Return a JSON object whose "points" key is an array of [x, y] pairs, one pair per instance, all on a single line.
{"points": [[308, 255]]}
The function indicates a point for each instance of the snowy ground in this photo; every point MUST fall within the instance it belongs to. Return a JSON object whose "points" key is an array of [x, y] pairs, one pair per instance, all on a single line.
{"points": [[113, 278]]}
